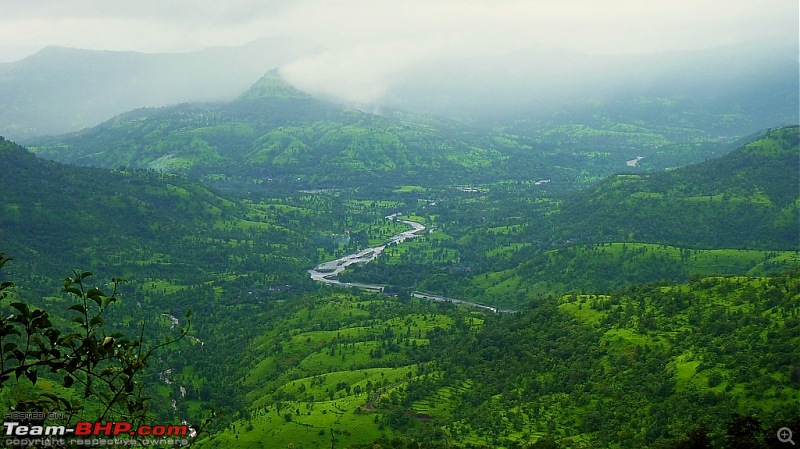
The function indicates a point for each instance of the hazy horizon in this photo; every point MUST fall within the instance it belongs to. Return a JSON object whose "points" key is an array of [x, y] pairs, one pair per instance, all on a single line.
{"points": [[465, 27], [465, 58]]}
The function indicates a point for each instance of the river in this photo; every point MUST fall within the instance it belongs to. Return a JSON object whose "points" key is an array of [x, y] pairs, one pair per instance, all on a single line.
{"points": [[328, 272]]}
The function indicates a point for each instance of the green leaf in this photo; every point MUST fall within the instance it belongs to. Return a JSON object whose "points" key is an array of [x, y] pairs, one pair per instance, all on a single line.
{"points": [[41, 322], [98, 300], [96, 320], [86, 274], [79, 307], [20, 356], [74, 290], [22, 307], [52, 334], [68, 381]]}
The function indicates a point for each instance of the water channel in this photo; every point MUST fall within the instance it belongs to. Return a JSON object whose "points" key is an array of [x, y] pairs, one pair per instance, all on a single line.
{"points": [[328, 272]]}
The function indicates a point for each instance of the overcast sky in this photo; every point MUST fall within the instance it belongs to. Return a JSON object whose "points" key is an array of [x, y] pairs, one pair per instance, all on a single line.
{"points": [[385, 36], [459, 25]]}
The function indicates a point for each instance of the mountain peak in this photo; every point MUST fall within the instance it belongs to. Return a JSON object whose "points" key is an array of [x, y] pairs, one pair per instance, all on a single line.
{"points": [[272, 85]]}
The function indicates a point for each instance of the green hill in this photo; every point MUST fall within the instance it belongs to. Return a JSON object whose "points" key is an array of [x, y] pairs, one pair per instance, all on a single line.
{"points": [[737, 214], [618, 364], [626, 370], [179, 244], [293, 363], [745, 199], [58, 89], [142, 223], [275, 133], [274, 136], [235, 263]]}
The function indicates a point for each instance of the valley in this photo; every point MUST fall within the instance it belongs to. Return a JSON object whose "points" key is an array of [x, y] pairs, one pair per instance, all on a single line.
{"points": [[614, 273], [327, 272]]}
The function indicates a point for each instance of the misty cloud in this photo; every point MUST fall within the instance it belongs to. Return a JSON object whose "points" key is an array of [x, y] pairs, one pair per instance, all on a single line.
{"points": [[361, 74], [372, 45], [368, 44], [610, 26]]}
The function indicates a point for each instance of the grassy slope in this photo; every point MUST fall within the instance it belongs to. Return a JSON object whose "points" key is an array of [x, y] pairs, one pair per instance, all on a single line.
{"points": [[335, 365], [642, 365], [619, 370]]}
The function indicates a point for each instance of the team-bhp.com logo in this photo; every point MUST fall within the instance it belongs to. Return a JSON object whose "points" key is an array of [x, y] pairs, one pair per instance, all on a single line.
{"points": [[95, 429], [88, 433]]}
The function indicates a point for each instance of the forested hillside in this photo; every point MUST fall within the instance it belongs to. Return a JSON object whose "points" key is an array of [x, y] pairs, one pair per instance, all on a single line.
{"points": [[275, 133], [746, 199], [400, 225], [651, 308], [135, 221], [736, 214], [277, 137], [646, 366], [180, 245]]}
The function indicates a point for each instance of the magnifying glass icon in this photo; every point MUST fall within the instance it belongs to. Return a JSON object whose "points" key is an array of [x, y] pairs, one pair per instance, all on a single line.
{"points": [[785, 435]]}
